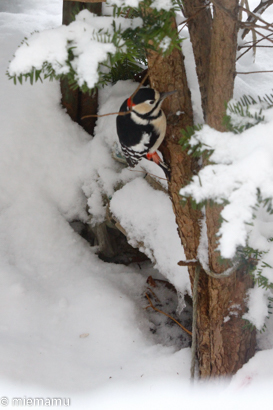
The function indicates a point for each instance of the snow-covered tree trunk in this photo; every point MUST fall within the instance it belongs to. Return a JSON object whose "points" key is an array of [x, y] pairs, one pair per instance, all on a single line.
{"points": [[199, 24], [231, 343], [165, 73], [224, 344]]}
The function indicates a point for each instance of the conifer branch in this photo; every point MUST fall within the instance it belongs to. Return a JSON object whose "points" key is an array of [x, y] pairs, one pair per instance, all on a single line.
{"points": [[132, 96]]}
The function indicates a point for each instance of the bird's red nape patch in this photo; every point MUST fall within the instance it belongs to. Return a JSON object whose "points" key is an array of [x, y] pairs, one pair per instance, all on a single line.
{"points": [[130, 103], [153, 156]]}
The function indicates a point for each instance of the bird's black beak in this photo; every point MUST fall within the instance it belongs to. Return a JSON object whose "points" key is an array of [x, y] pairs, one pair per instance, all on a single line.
{"points": [[164, 95]]}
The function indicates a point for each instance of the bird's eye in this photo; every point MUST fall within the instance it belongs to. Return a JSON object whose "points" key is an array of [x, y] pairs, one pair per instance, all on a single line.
{"points": [[151, 102]]}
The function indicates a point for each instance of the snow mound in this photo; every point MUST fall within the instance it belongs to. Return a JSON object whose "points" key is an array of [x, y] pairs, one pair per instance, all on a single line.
{"points": [[147, 217]]}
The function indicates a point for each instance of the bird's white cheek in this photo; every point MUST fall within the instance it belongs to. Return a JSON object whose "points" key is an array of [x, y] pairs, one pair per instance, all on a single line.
{"points": [[143, 108]]}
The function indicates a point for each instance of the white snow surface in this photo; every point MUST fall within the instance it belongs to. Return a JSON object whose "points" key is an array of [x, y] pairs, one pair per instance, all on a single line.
{"points": [[260, 309], [71, 325], [242, 164], [52, 46], [139, 210]]}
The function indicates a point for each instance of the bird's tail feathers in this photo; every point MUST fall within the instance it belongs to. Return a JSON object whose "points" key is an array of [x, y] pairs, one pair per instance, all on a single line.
{"points": [[166, 169]]}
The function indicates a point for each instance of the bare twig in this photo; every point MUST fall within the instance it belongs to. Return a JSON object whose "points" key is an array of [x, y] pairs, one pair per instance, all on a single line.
{"points": [[253, 45], [254, 15], [143, 80], [252, 26], [148, 173], [105, 115], [256, 46], [166, 314], [154, 295], [263, 36], [188, 263], [254, 72]]}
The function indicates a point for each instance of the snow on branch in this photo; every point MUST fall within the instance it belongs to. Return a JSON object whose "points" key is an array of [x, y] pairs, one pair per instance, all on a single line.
{"points": [[77, 49], [240, 170]]}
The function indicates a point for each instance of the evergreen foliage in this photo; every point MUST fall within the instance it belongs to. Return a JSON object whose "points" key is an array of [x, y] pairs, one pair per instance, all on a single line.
{"points": [[246, 113], [240, 116], [252, 261], [197, 150], [131, 44]]}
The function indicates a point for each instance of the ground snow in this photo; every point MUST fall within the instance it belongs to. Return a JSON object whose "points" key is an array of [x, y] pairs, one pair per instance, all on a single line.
{"points": [[71, 325], [69, 322]]}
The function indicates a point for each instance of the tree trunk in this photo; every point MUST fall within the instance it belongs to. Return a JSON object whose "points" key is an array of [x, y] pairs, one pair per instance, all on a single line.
{"points": [[224, 345], [77, 103], [222, 60], [231, 343], [166, 74], [199, 24]]}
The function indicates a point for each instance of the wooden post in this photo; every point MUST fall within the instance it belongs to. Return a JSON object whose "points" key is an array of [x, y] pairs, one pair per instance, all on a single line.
{"points": [[77, 103]]}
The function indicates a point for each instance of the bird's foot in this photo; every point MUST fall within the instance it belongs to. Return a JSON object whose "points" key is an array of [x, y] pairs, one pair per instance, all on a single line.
{"points": [[153, 156]]}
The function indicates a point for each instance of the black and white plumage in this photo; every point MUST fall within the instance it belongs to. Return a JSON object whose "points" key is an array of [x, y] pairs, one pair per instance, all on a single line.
{"points": [[143, 129]]}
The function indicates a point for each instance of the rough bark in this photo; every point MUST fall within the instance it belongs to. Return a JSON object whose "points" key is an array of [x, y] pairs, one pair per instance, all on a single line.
{"points": [[224, 345], [199, 24], [222, 60], [231, 343], [167, 74]]}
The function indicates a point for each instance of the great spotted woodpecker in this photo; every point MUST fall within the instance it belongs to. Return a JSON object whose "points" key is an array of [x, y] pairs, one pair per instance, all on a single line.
{"points": [[143, 129]]}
